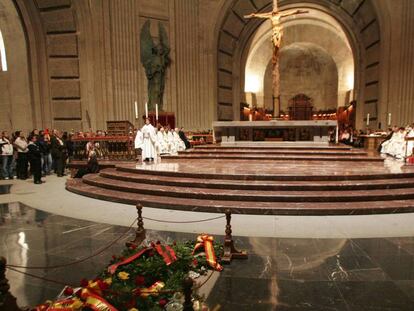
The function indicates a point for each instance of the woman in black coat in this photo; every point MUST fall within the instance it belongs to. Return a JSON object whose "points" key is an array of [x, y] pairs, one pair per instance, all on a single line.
{"points": [[35, 159]]}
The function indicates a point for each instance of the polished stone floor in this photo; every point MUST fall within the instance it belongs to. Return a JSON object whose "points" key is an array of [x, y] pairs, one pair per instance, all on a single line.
{"points": [[280, 274]]}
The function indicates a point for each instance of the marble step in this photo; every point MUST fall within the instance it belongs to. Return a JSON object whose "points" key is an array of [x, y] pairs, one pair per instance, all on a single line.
{"points": [[242, 207], [271, 151], [275, 147], [115, 174], [250, 195], [295, 174], [281, 157]]}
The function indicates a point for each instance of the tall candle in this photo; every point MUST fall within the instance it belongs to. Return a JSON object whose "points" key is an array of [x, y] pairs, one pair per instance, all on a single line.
{"points": [[136, 110], [146, 109], [367, 119], [389, 119], [156, 112], [337, 135]]}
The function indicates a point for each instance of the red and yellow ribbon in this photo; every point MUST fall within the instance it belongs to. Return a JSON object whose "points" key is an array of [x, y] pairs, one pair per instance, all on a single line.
{"points": [[95, 302], [168, 255], [206, 241], [68, 304], [152, 290], [166, 252], [112, 268]]}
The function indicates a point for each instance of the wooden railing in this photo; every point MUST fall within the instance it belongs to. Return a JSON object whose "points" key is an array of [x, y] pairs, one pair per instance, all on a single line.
{"points": [[106, 148]]}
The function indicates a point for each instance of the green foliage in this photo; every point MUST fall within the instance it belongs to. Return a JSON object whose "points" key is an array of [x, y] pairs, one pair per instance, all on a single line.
{"points": [[151, 268]]}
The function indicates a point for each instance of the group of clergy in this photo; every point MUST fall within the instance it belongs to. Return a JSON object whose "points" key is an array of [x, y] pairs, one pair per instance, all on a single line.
{"points": [[159, 141], [396, 145]]}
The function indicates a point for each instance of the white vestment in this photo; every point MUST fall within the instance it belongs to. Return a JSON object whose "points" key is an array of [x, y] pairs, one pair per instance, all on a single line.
{"points": [[410, 144], [395, 146], [138, 140], [171, 143], [148, 143], [179, 144], [386, 146], [162, 144]]}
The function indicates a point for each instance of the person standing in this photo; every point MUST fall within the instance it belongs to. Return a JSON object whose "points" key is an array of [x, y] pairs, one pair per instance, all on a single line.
{"points": [[44, 143], [22, 163], [7, 155], [149, 139], [35, 158], [58, 152]]}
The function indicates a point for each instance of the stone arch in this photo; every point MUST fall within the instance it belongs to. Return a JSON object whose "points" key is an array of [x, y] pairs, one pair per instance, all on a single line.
{"points": [[16, 110], [52, 37], [358, 19]]}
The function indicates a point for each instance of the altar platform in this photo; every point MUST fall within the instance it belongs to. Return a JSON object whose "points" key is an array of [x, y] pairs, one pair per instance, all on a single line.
{"points": [[274, 130], [334, 180]]}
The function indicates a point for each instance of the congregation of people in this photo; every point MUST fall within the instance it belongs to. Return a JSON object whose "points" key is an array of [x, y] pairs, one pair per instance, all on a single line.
{"points": [[394, 143], [160, 140], [38, 154]]}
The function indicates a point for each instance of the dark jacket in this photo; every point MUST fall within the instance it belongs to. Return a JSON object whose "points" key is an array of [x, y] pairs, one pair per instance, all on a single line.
{"points": [[56, 148], [34, 151]]}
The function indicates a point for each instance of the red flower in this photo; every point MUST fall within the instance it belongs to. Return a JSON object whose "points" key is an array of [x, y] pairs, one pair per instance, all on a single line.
{"points": [[122, 258], [84, 283], [113, 257], [195, 262], [162, 302], [133, 246], [68, 291], [137, 292], [152, 244], [158, 243], [174, 243], [139, 280], [102, 285], [150, 253]]}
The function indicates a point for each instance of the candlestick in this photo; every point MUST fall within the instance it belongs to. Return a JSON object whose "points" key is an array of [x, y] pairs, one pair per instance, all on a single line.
{"points": [[146, 109], [367, 119], [156, 112], [136, 110], [389, 119]]}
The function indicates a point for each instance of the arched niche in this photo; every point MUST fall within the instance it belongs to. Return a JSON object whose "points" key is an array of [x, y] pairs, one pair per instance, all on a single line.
{"points": [[358, 20], [323, 35], [307, 68]]}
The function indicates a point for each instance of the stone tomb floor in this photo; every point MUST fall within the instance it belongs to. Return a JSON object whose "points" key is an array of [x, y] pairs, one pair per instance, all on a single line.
{"points": [[314, 273]]}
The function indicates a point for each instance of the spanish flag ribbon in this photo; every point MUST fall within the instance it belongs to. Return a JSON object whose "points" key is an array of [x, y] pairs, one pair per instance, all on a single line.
{"points": [[167, 253], [68, 304], [206, 241], [152, 290], [112, 268], [96, 302]]}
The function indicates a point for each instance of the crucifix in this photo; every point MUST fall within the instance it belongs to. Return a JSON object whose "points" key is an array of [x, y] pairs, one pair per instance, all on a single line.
{"points": [[277, 32]]}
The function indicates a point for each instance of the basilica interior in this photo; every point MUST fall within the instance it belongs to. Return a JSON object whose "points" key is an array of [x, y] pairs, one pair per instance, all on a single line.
{"points": [[206, 155]]}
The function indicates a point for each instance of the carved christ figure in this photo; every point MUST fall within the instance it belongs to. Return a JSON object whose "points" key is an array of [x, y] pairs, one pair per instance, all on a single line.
{"points": [[275, 17]]}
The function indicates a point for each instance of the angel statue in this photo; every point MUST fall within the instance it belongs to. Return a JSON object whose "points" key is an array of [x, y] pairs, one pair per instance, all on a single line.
{"points": [[155, 59]]}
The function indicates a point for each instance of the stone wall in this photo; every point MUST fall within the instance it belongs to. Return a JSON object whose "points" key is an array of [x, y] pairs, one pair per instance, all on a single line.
{"points": [[15, 100], [82, 63]]}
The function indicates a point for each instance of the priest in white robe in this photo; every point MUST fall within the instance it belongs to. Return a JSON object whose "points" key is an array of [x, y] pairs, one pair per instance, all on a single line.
{"points": [[149, 140], [179, 144], [171, 143], [162, 141]]}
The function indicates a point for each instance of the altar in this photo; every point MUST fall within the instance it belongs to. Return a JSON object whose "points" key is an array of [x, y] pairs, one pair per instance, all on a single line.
{"points": [[274, 130]]}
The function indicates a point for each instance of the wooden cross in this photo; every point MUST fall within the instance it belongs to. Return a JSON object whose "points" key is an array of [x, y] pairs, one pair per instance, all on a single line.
{"points": [[277, 32]]}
